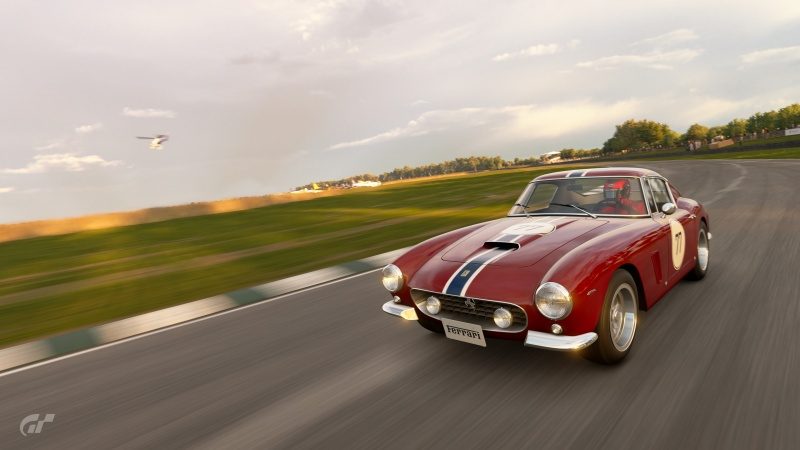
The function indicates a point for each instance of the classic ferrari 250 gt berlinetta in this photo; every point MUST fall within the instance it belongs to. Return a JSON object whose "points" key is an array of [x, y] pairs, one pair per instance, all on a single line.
{"points": [[570, 267]]}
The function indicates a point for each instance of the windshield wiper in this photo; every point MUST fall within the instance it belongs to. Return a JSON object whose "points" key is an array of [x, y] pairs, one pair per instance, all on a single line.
{"points": [[576, 207], [524, 209]]}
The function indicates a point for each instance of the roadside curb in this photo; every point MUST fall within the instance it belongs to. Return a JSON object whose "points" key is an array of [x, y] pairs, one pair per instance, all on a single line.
{"points": [[84, 339]]}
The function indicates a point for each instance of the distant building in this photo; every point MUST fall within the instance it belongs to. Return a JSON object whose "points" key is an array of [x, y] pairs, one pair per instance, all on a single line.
{"points": [[551, 157], [362, 183]]}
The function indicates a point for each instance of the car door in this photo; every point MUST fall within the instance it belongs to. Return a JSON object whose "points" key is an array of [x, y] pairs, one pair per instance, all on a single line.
{"points": [[673, 230]]}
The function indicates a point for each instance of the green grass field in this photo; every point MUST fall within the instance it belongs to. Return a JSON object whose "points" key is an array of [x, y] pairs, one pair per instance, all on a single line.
{"points": [[58, 283], [52, 284]]}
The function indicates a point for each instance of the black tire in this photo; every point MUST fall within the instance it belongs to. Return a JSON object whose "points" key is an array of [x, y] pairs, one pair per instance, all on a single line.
{"points": [[701, 265], [613, 345]]}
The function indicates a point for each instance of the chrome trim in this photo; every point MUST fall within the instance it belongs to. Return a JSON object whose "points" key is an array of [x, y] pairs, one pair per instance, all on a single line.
{"points": [[622, 317], [561, 343], [491, 327], [703, 249], [628, 216], [562, 290], [403, 311], [669, 191], [646, 203], [398, 273]]}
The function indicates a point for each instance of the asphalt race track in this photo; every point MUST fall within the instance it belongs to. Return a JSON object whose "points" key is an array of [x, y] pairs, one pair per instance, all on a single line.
{"points": [[716, 363]]}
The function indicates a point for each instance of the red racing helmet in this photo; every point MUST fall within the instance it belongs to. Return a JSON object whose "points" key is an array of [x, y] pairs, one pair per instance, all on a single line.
{"points": [[617, 190]]}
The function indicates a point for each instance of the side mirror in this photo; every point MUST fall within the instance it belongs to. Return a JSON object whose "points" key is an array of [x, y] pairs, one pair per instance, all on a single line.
{"points": [[668, 208]]}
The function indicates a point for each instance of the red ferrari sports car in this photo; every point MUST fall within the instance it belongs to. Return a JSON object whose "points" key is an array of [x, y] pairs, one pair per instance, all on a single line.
{"points": [[578, 256]]}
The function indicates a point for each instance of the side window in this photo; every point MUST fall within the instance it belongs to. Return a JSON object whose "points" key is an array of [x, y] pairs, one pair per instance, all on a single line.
{"points": [[659, 191], [648, 197]]}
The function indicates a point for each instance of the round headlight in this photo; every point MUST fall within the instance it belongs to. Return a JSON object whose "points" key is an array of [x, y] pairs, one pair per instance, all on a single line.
{"points": [[433, 305], [553, 301], [392, 278], [503, 317]]}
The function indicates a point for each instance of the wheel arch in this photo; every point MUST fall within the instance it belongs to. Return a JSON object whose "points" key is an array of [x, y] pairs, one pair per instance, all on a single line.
{"points": [[637, 278]]}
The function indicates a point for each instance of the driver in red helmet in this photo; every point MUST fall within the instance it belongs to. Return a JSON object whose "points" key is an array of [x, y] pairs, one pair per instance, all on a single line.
{"points": [[617, 199]]}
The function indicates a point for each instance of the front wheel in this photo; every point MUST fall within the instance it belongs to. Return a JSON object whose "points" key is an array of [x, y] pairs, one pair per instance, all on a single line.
{"points": [[618, 318], [703, 253]]}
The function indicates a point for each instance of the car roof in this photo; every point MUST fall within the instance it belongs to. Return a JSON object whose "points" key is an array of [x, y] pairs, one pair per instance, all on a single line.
{"points": [[600, 172]]}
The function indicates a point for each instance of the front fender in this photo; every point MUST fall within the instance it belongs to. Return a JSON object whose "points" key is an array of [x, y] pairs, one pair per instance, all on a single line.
{"points": [[586, 272]]}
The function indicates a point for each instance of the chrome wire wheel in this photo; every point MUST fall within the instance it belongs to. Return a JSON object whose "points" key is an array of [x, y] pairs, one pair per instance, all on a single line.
{"points": [[622, 317], [702, 250]]}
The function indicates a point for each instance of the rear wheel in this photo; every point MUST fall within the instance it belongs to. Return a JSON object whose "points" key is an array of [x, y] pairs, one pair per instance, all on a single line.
{"points": [[703, 253], [618, 319]]}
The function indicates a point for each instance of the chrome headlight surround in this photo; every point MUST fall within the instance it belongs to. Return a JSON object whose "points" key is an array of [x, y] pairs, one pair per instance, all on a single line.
{"points": [[392, 278], [553, 301]]}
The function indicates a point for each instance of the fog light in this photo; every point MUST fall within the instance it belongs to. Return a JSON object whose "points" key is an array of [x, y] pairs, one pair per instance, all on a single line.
{"points": [[556, 328], [503, 318], [433, 305]]}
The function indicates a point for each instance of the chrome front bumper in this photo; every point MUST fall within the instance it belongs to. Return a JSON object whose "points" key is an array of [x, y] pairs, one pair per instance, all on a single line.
{"points": [[534, 338], [396, 309], [556, 342]]}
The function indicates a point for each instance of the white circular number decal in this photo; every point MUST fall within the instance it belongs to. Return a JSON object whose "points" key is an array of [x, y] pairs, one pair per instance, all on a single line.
{"points": [[678, 242], [530, 228]]}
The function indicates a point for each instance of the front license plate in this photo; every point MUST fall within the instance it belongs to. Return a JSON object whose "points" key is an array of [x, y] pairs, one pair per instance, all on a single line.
{"points": [[464, 332]]}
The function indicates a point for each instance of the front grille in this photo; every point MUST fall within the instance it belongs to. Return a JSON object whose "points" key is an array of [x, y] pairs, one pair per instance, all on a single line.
{"points": [[456, 308]]}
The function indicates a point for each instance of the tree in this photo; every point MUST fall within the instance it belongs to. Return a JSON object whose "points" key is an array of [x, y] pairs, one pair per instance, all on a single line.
{"points": [[640, 135], [713, 132], [789, 116], [696, 132], [736, 128]]}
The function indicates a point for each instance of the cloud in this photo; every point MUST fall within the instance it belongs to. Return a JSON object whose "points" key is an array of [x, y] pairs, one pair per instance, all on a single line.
{"points": [[772, 55], [62, 162], [148, 113], [654, 60], [670, 38], [83, 129], [52, 145], [533, 50], [508, 123], [5, 190]]}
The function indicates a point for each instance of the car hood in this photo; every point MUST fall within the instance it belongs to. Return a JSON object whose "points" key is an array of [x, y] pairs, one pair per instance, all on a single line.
{"points": [[526, 239]]}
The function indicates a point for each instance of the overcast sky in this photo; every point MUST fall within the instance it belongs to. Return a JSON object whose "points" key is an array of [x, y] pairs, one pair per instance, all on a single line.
{"points": [[261, 96]]}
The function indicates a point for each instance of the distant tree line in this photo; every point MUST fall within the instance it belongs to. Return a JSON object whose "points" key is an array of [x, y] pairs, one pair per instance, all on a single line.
{"points": [[631, 135], [458, 165], [637, 135]]}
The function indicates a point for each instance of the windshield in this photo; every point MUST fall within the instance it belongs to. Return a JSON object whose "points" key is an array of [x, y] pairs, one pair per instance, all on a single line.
{"points": [[619, 196]]}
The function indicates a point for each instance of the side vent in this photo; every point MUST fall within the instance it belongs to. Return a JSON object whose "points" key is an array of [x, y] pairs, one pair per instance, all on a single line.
{"points": [[657, 267]]}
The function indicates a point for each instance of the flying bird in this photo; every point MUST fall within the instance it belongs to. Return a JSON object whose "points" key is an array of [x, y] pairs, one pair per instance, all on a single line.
{"points": [[155, 142]]}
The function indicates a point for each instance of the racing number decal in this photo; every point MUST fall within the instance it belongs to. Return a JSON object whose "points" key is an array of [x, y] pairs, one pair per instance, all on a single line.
{"points": [[677, 242]]}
